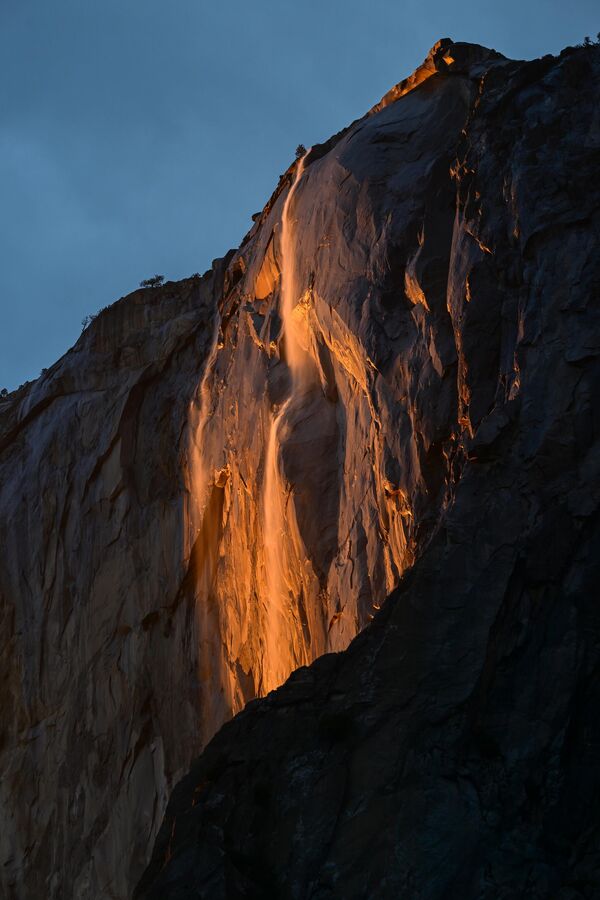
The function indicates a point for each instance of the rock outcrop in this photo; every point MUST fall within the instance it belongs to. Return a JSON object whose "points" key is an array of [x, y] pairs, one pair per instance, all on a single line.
{"points": [[452, 751], [393, 380]]}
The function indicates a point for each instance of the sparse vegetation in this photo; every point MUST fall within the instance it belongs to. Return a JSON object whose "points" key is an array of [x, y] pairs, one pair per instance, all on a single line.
{"points": [[300, 151], [153, 282]]}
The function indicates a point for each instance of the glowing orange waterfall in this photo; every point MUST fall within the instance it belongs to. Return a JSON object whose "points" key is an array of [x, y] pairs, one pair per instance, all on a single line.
{"points": [[295, 326], [202, 540], [199, 417], [287, 568], [277, 600]]}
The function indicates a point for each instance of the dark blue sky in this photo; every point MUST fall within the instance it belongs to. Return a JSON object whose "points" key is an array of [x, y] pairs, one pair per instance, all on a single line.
{"points": [[139, 136]]}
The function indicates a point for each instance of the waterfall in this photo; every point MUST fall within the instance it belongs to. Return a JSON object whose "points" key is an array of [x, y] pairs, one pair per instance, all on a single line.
{"points": [[200, 475], [286, 580], [293, 313]]}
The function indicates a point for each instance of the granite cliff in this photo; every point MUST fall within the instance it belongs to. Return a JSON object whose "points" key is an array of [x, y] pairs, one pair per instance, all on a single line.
{"points": [[389, 389]]}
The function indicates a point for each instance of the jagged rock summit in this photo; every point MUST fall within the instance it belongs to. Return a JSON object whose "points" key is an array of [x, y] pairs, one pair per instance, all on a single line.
{"points": [[389, 389], [445, 57]]}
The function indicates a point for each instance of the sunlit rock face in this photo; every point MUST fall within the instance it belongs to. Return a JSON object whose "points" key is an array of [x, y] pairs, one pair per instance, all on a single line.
{"points": [[444, 418], [324, 430]]}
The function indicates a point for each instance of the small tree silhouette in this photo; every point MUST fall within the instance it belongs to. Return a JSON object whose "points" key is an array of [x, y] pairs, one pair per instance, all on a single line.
{"points": [[300, 151], [153, 282]]}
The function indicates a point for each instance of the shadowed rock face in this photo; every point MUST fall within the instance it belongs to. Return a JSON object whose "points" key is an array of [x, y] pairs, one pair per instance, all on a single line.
{"points": [[452, 750], [226, 476], [99, 690]]}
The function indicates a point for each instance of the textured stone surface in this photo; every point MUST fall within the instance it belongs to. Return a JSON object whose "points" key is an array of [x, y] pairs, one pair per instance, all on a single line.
{"points": [[147, 587], [452, 751], [217, 485], [99, 699]]}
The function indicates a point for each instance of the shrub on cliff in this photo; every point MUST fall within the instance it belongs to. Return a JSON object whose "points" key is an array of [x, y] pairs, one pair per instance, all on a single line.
{"points": [[153, 282]]}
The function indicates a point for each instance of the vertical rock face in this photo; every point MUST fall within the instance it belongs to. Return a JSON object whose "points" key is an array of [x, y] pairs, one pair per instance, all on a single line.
{"points": [[226, 476], [327, 417], [452, 751], [99, 681]]}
